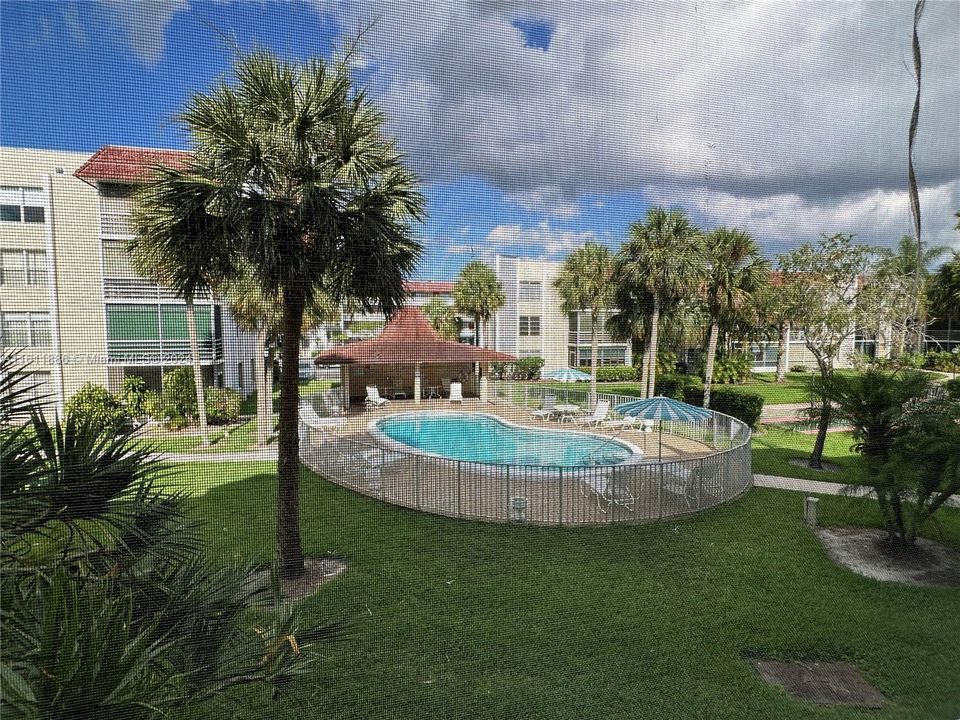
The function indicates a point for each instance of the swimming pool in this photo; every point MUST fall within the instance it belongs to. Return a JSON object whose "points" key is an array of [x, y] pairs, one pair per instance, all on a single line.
{"points": [[476, 437]]}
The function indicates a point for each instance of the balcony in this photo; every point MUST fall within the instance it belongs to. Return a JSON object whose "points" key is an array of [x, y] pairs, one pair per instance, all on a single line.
{"points": [[115, 224], [583, 338], [140, 289], [161, 352]]}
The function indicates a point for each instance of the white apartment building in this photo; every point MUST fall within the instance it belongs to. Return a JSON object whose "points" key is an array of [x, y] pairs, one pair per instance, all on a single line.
{"points": [[70, 300]]}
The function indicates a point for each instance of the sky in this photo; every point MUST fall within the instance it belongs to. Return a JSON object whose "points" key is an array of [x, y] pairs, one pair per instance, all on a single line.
{"points": [[538, 127]]}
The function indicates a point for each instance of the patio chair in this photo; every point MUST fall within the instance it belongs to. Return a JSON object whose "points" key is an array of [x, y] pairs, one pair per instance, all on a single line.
{"points": [[311, 419], [681, 481], [600, 413], [456, 392], [373, 398], [546, 410], [625, 423], [611, 484]]}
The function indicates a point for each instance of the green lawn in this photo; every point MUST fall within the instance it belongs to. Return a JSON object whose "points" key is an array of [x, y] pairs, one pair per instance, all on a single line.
{"points": [[239, 439], [455, 619], [774, 447]]}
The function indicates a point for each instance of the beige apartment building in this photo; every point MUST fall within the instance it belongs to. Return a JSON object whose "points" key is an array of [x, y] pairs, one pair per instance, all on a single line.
{"points": [[71, 303]]}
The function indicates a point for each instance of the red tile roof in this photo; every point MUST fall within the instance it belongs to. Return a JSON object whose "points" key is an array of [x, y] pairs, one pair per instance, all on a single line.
{"points": [[128, 164], [409, 338], [428, 286]]}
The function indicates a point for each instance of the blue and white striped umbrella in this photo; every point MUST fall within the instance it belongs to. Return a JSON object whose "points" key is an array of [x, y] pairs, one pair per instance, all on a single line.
{"points": [[566, 375], [663, 408]]}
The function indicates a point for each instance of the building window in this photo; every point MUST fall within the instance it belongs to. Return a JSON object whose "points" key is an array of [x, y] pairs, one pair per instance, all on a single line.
{"points": [[23, 267], [529, 326], [21, 329], [530, 291], [21, 204], [605, 356]]}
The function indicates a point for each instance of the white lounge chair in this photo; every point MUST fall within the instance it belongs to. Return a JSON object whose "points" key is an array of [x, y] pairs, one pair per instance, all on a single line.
{"points": [[311, 419], [373, 398], [600, 413], [546, 410], [626, 423], [456, 392], [611, 484]]}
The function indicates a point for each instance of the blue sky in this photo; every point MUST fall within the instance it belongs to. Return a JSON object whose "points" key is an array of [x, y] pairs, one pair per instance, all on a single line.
{"points": [[537, 128]]}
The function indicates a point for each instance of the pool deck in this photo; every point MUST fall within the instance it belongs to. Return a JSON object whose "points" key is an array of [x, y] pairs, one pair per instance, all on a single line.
{"points": [[674, 447]]}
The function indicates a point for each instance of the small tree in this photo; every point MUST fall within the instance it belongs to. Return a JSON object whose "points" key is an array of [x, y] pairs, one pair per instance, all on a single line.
{"points": [[478, 293], [97, 405], [442, 318], [831, 274], [584, 283]]}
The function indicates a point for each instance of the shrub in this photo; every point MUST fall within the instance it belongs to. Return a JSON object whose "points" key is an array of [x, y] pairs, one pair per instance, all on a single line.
{"points": [[666, 362], [223, 405], [97, 404], [132, 392], [942, 360], [911, 360], [498, 371], [153, 405], [732, 369], [953, 388], [675, 386], [745, 406], [179, 396], [527, 368], [614, 373], [799, 369]]}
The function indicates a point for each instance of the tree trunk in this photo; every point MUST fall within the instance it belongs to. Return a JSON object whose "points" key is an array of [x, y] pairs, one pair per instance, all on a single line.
{"points": [[644, 363], [652, 359], [826, 411], [197, 369], [263, 376], [476, 330], [711, 356], [289, 548], [782, 345], [593, 359]]}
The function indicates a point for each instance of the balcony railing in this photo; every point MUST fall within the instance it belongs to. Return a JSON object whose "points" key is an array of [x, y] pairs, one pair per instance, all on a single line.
{"points": [[166, 352], [583, 338], [140, 289], [115, 224]]}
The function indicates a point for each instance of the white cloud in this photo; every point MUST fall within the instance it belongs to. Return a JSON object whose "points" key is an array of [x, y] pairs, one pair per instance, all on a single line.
{"points": [[876, 217], [552, 242], [753, 100], [144, 23]]}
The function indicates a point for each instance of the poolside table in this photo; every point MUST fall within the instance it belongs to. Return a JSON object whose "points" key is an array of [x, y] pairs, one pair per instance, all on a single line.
{"points": [[567, 410]]}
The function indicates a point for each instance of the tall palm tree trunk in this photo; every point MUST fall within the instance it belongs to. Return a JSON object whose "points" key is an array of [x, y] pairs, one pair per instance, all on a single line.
{"points": [[476, 330], [263, 377], [711, 357], [654, 337], [645, 363], [593, 359], [289, 548], [782, 345], [197, 368]]}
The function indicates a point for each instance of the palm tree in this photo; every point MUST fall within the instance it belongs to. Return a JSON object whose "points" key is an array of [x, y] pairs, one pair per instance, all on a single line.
{"points": [[736, 271], [166, 248], [442, 318], [584, 282], [945, 288], [293, 177], [664, 258], [478, 293]]}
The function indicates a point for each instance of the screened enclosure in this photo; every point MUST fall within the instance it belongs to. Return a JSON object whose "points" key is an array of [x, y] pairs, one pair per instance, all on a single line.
{"points": [[385, 360]]}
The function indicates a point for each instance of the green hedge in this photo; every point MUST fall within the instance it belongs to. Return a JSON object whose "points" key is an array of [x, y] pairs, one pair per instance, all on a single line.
{"points": [[97, 404], [953, 388], [675, 386], [614, 373], [733, 369], [745, 406], [223, 405]]}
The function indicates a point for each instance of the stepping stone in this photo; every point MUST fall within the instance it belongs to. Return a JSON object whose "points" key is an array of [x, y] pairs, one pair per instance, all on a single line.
{"points": [[823, 683]]}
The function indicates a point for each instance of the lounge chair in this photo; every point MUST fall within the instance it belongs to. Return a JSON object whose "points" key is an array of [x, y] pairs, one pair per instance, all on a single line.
{"points": [[311, 419], [611, 485], [600, 413], [546, 410], [373, 398], [456, 392], [626, 423]]}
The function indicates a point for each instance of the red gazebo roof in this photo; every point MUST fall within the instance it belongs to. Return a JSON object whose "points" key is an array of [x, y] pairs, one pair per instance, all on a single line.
{"points": [[128, 164], [409, 338]]}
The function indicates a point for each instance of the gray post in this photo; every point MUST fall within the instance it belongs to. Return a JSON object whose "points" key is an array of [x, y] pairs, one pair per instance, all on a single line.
{"points": [[810, 511], [459, 492], [416, 490], [560, 499]]}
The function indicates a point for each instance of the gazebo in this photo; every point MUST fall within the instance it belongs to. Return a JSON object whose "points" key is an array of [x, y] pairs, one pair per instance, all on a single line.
{"points": [[409, 360]]}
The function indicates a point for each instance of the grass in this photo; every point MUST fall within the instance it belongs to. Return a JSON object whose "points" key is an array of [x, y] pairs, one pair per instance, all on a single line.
{"points": [[240, 438], [774, 447], [454, 619]]}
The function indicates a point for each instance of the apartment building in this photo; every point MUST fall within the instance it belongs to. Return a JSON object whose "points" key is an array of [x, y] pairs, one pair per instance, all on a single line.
{"points": [[532, 324], [70, 300]]}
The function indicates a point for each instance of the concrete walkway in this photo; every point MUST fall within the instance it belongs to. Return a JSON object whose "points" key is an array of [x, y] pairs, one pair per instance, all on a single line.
{"points": [[269, 453], [818, 487]]}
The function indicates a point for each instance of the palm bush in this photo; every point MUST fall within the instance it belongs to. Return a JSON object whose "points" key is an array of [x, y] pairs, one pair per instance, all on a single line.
{"points": [[111, 608], [909, 437], [101, 407]]}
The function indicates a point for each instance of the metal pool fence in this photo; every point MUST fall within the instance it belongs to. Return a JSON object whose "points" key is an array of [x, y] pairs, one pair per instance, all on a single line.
{"points": [[542, 495]]}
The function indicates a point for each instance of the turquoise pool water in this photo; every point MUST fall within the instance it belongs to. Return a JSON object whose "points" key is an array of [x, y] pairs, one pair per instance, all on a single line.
{"points": [[482, 438]]}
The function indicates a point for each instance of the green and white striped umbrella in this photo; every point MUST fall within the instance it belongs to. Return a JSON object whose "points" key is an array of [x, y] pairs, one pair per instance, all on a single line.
{"points": [[663, 408], [566, 375]]}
